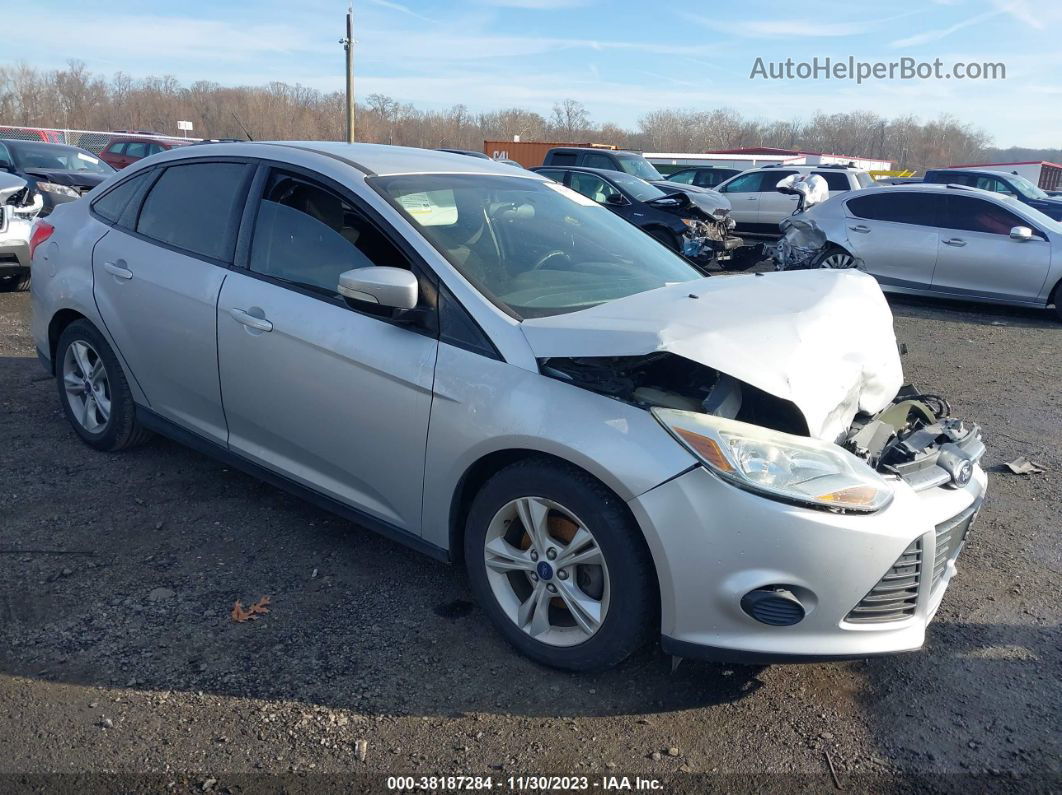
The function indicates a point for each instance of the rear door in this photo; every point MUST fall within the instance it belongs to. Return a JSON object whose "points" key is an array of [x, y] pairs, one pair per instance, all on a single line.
{"points": [[895, 233], [328, 393], [156, 278], [774, 206], [979, 257]]}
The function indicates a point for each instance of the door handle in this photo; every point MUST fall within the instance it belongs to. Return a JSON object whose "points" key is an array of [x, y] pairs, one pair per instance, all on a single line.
{"points": [[118, 269], [753, 198], [860, 229], [955, 241], [249, 320]]}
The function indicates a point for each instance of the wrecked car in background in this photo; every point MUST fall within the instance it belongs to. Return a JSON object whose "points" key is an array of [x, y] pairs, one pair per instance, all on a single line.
{"points": [[19, 205], [948, 241], [617, 448], [695, 223]]}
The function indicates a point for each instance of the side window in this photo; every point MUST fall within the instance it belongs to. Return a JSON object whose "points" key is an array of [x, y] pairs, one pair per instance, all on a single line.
{"points": [[308, 235], [770, 179], [136, 149], [684, 177], [835, 180], [708, 179], [5, 157], [594, 160], [113, 203], [746, 183], [977, 215], [117, 149], [196, 207], [921, 209], [993, 184], [592, 187], [153, 149], [562, 159], [554, 174]]}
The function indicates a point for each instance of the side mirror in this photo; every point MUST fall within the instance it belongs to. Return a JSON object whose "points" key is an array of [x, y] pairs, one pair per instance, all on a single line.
{"points": [[615, 199], [387, 287], [1021, 233]]}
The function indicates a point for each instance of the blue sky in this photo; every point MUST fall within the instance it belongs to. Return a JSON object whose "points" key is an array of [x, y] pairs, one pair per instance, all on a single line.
{"points": [[619, 58]]}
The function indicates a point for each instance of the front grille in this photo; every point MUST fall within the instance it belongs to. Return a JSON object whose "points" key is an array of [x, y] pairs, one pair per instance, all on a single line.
{"points": [[950, 535], [895, 596]]}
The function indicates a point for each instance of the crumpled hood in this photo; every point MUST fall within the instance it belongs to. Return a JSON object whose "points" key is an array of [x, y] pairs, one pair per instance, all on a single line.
{"points": [[822, 339]]}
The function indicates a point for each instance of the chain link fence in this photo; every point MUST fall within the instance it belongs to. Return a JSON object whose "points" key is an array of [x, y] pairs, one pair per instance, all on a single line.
{"points": [[91, 140]]}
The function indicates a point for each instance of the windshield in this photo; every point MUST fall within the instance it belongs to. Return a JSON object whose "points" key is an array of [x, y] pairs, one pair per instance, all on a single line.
{"points": [[1026, 188], [55, 157], [864, 179], [638, 188], [638, 166], [533, 247]]}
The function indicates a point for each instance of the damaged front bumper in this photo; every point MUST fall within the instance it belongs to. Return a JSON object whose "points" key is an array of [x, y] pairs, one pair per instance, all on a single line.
{"points": [[717, 548]]}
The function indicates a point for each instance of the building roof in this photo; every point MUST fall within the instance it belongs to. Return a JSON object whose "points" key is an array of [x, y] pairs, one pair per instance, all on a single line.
{"points": [[773, 150]]}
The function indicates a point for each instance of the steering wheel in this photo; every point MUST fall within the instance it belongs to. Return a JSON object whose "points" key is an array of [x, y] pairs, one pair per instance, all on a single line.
{"points": [[541, 261]]}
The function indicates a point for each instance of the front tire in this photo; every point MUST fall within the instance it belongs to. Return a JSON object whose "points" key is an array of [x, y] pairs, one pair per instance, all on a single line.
{"points": [[560, 567], [93, 391]]}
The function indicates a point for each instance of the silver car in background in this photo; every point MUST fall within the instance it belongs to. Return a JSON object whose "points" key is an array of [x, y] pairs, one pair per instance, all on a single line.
{"points": [[496, 370], [949, 241]]}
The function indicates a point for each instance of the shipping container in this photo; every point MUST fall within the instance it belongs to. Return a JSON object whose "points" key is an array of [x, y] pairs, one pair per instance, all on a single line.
{"points": [[528, 153]]}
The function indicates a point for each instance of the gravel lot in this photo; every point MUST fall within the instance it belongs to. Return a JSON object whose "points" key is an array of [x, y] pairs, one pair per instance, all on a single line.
{"points": [[117, 653]]}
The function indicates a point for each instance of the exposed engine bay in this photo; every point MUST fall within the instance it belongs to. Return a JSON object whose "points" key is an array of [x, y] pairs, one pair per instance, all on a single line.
{"points": [[913, 438], [709, 227]]}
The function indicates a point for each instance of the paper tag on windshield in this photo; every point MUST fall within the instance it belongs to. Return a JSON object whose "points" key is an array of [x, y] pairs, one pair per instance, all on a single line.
{"points": [[87, 158], [431, 208], [578, 198]]}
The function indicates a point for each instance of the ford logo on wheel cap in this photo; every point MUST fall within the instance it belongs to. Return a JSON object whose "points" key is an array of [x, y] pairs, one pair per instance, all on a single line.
{"points": [[545, 571]]}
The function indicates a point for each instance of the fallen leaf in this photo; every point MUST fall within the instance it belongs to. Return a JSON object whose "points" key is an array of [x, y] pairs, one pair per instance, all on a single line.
{"points": [[239, 615]]}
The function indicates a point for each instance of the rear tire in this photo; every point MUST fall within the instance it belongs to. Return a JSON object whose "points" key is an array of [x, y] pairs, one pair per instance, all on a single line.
{"points": [[1058, 301], [834, 258], [601, 607], [93, 391]]}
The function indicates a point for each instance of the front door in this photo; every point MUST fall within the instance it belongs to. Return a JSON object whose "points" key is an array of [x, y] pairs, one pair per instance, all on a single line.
{"points": [[744, 195], [979, 257], [331, 395]]}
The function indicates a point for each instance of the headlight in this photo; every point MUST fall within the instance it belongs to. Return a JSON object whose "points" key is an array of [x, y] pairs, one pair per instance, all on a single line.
{"points": [[57, 189], [778, 465], [690, 222]]}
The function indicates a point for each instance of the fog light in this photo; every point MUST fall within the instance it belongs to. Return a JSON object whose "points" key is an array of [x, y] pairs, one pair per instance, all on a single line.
{"points": [[774, 605]]}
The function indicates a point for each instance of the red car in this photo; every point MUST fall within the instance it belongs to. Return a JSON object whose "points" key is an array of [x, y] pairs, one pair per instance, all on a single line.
{"points": [[120, 151]]}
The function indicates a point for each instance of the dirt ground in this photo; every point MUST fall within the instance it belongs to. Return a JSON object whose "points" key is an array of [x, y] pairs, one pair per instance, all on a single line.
{"points": [[118, 655]]}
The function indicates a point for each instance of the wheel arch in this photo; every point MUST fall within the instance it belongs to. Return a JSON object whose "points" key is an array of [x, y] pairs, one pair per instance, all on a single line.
{"points": [[481, 470], [60, 320]]}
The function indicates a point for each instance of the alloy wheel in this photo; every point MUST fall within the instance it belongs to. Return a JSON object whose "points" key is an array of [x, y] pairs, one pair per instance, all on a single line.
{"points": [[88, 389], [547, 571], [838, 260]]}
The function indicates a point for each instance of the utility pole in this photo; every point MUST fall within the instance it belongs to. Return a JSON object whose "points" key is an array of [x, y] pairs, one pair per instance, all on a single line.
{"points": [[348, 45]]}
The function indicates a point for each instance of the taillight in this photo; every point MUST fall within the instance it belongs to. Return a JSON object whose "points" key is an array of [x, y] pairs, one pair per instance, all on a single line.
{"points": [[42, 230]]}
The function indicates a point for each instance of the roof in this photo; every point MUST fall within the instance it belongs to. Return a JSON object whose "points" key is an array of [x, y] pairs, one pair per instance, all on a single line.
{"points": [[370, 159], [1013, 163]]}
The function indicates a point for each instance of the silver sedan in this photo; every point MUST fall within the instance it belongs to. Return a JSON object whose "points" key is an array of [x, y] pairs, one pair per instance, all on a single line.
{"points": [[949, 241], [499, 372]]}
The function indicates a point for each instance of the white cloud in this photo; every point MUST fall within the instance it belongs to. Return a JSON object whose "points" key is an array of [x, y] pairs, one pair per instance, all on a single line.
{"points": [[930, 36], [539, 5]]}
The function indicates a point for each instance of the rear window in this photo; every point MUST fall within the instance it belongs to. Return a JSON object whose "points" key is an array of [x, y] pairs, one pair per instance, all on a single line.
{"points": [[195, 207], [562, 159]]}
